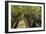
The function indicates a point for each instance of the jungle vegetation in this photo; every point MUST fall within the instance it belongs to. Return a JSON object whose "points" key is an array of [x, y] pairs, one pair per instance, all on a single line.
{"points": [[32, 14]]}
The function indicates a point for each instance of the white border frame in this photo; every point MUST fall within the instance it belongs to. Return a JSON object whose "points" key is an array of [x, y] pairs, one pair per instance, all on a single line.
{"points": [[24, 29]]}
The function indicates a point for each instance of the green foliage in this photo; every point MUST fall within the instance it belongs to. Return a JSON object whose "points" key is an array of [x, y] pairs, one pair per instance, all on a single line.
{"points": [[17, 10]]}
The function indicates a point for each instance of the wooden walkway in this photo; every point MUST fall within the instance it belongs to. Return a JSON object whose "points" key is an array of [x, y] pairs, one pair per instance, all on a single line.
{"points": [[21, 24]]}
